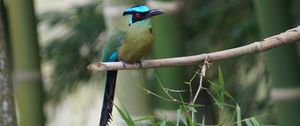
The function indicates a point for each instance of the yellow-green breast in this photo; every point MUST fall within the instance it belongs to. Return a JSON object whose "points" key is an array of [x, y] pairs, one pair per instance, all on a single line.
{"points": [[137, 42]]}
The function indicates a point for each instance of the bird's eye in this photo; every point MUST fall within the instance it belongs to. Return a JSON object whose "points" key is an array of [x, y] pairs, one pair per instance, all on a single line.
{"points": [[138, 15]]}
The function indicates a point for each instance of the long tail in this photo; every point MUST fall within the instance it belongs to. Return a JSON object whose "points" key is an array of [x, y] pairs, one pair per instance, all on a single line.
{"points": [[108, 99]]}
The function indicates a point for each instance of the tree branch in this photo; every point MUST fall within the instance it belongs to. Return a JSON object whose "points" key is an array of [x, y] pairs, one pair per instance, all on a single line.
{"points": [[288, 37]]}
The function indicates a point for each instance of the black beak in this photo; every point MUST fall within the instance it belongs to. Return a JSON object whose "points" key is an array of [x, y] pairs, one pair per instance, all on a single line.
{"points": [[125, 13], [155, 12]]}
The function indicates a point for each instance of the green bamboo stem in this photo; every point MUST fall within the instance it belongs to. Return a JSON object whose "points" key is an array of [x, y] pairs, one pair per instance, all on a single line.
{"points": [[274, 17], [168, 43], [26, 62]]}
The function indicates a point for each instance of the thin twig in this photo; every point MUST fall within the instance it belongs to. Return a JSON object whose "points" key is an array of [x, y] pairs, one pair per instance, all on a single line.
{"points": [[201, 75], [190, 85], [288, 37], [167, 99]]}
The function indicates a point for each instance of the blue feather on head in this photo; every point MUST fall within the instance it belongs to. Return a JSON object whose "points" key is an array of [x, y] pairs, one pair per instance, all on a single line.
{"points": [[141, 12], [137, 9]]}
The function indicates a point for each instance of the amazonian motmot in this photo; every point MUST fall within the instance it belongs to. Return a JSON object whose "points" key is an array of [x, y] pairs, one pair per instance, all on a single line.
{"points": [[128, 46]]}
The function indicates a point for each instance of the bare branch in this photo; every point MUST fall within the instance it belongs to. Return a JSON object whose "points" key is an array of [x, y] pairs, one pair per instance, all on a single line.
{"points": [[285, 94], [201, 75], [288, 37]]}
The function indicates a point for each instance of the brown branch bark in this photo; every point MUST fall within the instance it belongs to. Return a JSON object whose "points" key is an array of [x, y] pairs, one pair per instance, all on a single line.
{"points": [[288, 37]]}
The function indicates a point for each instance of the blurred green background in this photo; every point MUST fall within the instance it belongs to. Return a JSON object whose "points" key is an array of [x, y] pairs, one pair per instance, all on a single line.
{"points": [[50, 43]]}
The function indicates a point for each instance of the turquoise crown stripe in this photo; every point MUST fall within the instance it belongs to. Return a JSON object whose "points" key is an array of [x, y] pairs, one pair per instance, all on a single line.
{"points": [[138, 8]]}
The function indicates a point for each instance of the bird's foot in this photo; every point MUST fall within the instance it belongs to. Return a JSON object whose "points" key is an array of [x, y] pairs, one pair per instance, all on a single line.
{"points": [[140, 64], [123, 64]]}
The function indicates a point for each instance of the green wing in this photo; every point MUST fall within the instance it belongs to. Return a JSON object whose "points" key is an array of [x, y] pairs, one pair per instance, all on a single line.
{"points": [[110, 51]]}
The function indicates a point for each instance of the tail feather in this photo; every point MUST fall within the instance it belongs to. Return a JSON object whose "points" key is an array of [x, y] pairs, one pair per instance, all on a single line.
{"points": [[108, 99]]}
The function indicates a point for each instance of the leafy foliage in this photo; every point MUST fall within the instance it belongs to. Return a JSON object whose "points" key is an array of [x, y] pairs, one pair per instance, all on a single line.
{"points": [[184, 116], [71, 53], [214, 25]]}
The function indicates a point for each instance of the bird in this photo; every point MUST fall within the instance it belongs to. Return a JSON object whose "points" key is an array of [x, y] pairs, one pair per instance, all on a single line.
{"points": [[127, 46]]}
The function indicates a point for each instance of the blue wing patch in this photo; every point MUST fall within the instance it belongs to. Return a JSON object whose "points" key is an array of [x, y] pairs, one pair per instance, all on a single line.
{"points": [[113, 57]]}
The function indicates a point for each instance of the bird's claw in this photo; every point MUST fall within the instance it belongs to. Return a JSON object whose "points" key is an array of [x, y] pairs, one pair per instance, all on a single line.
{"points": [[123, 64], [140, 64]]}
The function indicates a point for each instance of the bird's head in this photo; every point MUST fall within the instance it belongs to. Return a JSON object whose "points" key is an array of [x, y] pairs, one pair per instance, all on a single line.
{"points": [[141, 12]]}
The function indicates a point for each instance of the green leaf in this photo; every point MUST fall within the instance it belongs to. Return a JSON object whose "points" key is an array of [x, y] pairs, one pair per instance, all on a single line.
{"points": [[221, 83], [219, 89], [125, 116], [192, 109], [182, 111], [248, 122], [188, 117], [227, 94], [163, 123], [178, 116], [220, 76], [254, 121], [238, 115], [216, 95], [215, 89], [144, 118]]}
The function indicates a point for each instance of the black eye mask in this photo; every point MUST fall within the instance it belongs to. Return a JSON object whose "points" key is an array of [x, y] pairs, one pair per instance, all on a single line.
{"points": [[138, 17]]}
